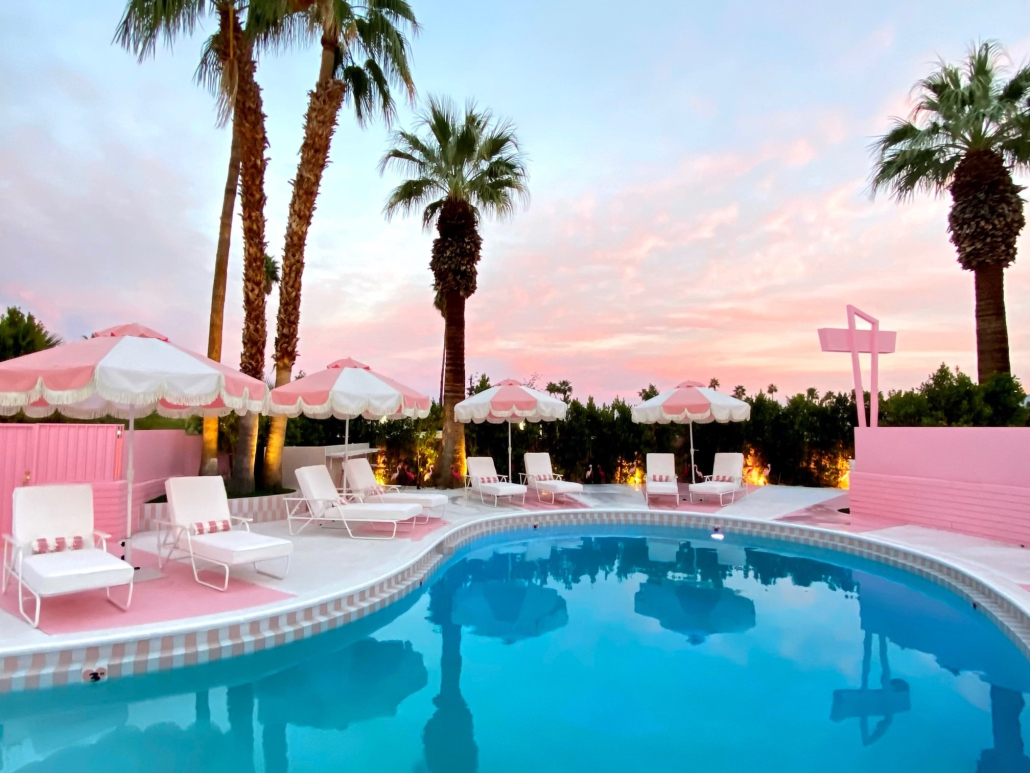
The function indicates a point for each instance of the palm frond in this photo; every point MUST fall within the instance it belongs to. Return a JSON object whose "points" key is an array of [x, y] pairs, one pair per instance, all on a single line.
{"points": [[144, 22]]}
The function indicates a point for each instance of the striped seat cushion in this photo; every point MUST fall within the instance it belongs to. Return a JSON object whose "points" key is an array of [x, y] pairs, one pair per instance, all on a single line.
{"points": [[722, 478], [661, 478], [490, 479], [210, 527]]}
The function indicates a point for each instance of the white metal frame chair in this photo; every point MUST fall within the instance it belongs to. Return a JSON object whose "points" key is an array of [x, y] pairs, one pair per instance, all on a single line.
{"points": [[202, 527], [362, 485], [482, 478], [727, 478], [661, 466], [322, 503], [48, 522], [539, 476]]}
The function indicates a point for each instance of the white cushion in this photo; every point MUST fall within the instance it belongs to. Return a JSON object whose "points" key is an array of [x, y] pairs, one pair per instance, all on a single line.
{"points": [[714, 487], [559, 486], [501, 489], [240, 547], [662, 487], [196, 499], [661, 464], [404, 497], [372, 512], [46, 512], [51, 574]]}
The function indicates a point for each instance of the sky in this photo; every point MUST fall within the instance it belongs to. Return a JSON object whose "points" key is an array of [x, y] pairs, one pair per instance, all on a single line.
{"points": [[698, 177]]}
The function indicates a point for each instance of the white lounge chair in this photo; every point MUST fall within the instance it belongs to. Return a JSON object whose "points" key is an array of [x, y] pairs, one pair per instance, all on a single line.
{"points": [[321, 502], [661, 478], [53, 548], [483, 478], [727, 478], [202, 527], [362, 485], [540, 477]]}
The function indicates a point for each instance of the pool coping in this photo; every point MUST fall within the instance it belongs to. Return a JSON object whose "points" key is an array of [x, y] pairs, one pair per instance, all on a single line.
{"points": [[118, 653]]}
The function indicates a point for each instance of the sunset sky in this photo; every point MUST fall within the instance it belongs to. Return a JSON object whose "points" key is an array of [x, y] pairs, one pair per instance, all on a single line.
{"points": [[698, 178]]}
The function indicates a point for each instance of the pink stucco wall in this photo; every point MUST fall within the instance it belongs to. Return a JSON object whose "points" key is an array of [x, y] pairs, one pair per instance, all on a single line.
{"points": [[974, 480]]}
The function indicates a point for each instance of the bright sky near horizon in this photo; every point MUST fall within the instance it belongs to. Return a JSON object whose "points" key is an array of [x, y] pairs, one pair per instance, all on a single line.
{"points": [[698, 178]]}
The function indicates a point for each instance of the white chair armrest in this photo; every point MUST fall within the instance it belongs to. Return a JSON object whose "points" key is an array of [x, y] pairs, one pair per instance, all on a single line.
{"points": [[9, 539], [101, 534], [245, 521]]}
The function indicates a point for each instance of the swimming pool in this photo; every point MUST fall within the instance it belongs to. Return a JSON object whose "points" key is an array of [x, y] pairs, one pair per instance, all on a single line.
{"points": [[604, 652]]}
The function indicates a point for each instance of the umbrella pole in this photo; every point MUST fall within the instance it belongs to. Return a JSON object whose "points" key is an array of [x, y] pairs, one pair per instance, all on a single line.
{"points": [[693, 475], [346, 452], [129, 474], [509, 452]]}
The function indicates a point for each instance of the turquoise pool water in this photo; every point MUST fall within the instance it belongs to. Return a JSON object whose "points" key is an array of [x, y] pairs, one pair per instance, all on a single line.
{"points": [[583, 653]]}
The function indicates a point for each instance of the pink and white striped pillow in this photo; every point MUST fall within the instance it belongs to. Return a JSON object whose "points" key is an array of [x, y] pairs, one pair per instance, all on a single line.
{"points": [[722, 478], [489, 479], [661, 478], [210, 527], [58, 544], [375, 490], [546, 476]]}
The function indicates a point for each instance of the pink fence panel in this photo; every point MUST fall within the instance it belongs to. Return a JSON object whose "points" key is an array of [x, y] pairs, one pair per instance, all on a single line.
{"points": [[76, 453], [17, 447], [163, 453], [972, 480]]}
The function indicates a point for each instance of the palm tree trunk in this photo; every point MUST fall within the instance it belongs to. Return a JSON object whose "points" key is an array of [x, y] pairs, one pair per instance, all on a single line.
{"points": [[319, 124], [992, 335], [249, 119], [453, 450], [209, 454]]}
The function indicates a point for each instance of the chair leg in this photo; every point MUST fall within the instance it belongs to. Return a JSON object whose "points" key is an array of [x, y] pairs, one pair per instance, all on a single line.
{"points": [[128, 597], [282, 576], [33, 621], [196, 573]]}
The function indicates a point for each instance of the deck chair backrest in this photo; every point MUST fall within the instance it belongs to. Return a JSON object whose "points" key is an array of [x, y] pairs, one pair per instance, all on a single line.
{"points": [[661, 464], [481, 467], [359, 475], [538, 464], [49, 512], [195, 499], [728, 466], [317, 484]]}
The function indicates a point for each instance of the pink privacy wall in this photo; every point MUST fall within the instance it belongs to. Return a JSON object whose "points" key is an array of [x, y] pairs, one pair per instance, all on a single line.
{"points": [[974, 480], [92, 453]]}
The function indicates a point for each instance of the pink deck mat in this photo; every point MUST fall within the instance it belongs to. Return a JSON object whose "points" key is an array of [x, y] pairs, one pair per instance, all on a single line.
{"points": [[827, 515], [175, 596], [415, 533]]}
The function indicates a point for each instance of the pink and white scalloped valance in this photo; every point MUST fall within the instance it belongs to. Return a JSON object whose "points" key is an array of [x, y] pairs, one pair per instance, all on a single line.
{"points": [[510, 401]]}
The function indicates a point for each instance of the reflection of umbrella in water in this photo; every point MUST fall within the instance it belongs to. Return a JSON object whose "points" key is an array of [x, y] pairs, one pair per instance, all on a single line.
{"points": [[865, 703], [694, 610], [368, 679], [509, 610]]}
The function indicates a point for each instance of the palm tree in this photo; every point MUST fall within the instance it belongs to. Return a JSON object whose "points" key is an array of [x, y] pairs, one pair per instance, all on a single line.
{"points": [[364, 52], [772, 389], [228, 67], [713, 383], [739, 392], [969, 131], [271, 274], [459, 168]]}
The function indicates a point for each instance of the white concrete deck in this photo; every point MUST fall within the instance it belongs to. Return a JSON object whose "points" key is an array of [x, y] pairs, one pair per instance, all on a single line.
{"points": [[327, 563]]}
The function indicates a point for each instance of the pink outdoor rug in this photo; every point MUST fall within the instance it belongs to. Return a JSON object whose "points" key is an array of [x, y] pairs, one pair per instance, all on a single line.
{"points": [[417, 532], [172, 597], [827, 515]]}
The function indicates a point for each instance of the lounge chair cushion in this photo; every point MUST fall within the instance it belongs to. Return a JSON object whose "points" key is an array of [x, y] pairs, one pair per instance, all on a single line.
{"points": [[403, 497], [51, 574], [372, 512], [501, 489], [660, 489], [559, 486], [714, 487], [240, 547]]}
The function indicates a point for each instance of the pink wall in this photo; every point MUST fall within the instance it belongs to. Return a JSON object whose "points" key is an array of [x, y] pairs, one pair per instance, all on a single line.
{"points": [[163, 453], [974, 480]]}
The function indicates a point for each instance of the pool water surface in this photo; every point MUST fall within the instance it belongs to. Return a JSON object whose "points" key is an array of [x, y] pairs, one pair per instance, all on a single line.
{"points": [[588, 653]]}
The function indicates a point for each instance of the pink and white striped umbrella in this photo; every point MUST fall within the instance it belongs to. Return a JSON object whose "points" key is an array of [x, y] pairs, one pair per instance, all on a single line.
{"points": [[511, 402], [690, 403], [125, 371], [348, 389]]}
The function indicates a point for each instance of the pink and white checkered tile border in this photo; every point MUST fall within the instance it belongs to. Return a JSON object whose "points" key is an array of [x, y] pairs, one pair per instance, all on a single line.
{"points": [[258, 509], [42, 670]]}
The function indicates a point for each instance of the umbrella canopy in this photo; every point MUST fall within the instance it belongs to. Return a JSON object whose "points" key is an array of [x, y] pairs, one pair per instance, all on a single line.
{"points": [[511, 402], [348, 389], [690, 403], [697, 611], [509, 611], [125, 371]]}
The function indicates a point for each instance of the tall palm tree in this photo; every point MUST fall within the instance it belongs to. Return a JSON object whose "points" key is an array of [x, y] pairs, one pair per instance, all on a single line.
{"points": [[229, 61], [459, 167], [969, 131], [364, 52]]}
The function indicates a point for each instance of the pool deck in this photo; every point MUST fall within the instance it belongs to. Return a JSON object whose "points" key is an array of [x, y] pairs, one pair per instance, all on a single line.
{"points": [[334, 579]]}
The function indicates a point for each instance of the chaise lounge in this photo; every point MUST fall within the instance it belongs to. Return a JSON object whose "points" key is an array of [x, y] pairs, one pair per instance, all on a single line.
{"points": [[540, 477], [483, 479], [661, 478], [362, 485], [727, 478]]}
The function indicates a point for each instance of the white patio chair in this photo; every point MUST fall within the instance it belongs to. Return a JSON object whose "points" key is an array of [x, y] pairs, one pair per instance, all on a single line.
{"points": [[483, 478], [322, 503], [362, 485], [539, 476], [53, 548], [202, 527], [661, 478], [727, 478]]}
